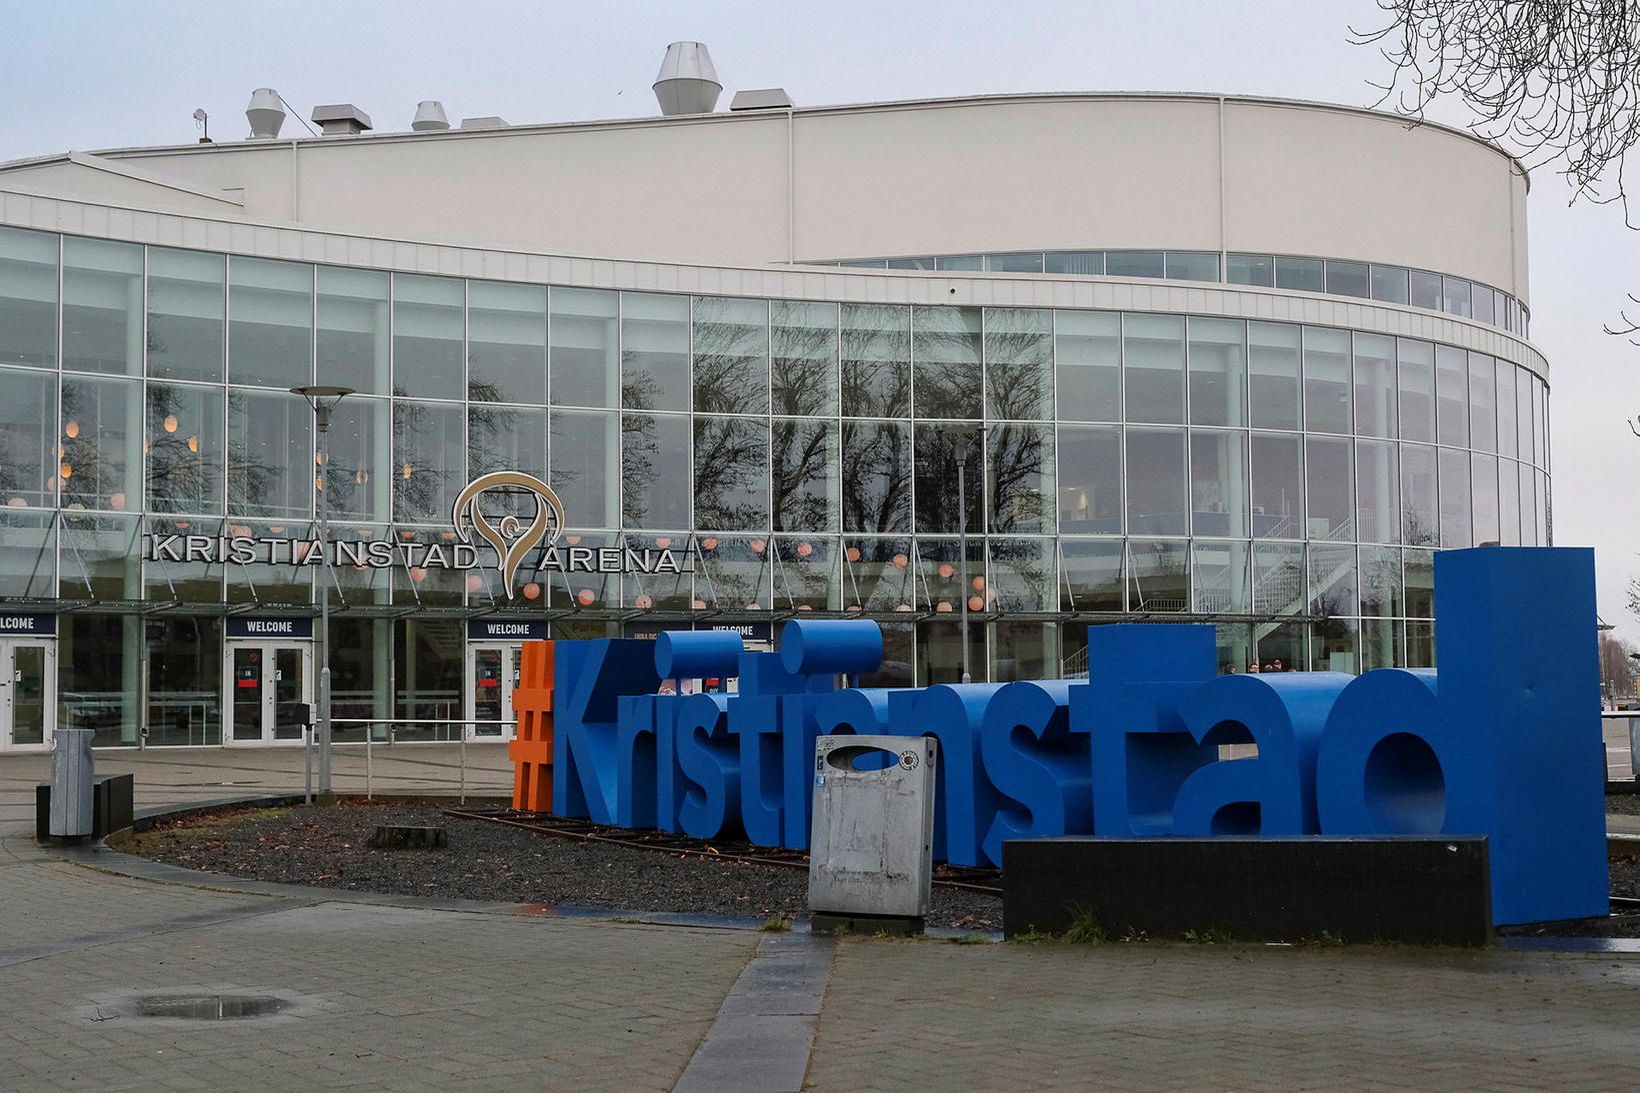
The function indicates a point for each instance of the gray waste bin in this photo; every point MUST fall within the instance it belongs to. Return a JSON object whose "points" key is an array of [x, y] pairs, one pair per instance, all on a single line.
{"points": [[72, 809], [872, 844]]}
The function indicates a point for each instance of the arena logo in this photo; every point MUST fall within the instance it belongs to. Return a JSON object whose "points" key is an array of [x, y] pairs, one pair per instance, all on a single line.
{"points": [[512, 537], [1504, 741]]}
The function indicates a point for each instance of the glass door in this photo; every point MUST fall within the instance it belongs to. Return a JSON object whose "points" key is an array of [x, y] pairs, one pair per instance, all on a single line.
{"points": [[492, 674], [28, 693], [269, 688]]}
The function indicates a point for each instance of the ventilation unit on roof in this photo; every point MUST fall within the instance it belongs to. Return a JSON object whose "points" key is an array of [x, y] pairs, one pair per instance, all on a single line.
{"points": [[767, 98], [430, 117], [687, 83], [341, 119], [266, 113]]}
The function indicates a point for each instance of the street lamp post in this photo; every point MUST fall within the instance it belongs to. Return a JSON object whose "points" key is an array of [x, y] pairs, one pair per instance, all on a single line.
{"points": [[323, 399], [962, 552]]}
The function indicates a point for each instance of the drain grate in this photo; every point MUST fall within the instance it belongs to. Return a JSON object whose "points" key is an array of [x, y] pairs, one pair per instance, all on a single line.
{"points": [[208, 1007]]}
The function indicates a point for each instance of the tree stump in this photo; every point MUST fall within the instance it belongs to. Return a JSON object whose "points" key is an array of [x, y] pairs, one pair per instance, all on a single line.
{"points": [[396, 837]]}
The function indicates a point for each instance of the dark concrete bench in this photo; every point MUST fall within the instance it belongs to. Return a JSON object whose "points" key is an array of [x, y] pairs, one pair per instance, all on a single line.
{"points": [[1418, 889], [112, 806]]}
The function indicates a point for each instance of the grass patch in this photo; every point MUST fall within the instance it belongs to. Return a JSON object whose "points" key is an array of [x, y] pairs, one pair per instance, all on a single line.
{"points": [[775, 924], [1213, 935], [1085, 927]]}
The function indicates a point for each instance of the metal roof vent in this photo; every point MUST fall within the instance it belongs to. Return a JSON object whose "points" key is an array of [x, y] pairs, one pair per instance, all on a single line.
{"points": [[341, 119], [266, 114], [430, 117], [687, 83], [487, 122], [768, 98]]}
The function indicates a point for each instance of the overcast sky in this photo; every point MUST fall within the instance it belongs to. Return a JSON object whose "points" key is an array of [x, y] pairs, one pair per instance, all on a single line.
{"points": [[83, 76]]}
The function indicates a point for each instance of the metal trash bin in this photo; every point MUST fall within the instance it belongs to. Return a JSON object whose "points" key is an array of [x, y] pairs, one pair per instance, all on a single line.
{"points": [[72, 807], [871, 847]]}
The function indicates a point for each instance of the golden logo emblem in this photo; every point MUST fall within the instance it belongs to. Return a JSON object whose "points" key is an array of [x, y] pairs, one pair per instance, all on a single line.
{"points": [[511, 537]]}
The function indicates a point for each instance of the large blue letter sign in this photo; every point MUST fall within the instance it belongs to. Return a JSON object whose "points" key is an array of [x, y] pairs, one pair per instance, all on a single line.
{"points": [[1504, 741]]}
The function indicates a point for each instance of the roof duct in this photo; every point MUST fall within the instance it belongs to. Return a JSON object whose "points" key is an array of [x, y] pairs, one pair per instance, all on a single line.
{"points": [[341, 119], [430, 117], [266, 113], [687, 83]]}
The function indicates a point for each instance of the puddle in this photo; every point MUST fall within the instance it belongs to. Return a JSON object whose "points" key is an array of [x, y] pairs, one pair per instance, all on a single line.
{"points": [[209, 1007]]}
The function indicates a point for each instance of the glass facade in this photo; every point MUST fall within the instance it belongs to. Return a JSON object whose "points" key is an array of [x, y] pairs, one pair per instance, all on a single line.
{"points": [[1285, 482]]}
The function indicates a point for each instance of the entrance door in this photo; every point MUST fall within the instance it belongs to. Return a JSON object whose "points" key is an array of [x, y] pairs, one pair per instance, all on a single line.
{"points": [[492, 674], [267, 687], [28, 692]]}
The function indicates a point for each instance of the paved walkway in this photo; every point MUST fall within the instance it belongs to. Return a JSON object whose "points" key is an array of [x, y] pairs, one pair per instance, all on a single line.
{"points": [[395, 995]]}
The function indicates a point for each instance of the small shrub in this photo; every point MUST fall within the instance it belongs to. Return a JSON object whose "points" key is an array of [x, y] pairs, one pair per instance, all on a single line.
{"points": [[1085, 927], [775, 924]]}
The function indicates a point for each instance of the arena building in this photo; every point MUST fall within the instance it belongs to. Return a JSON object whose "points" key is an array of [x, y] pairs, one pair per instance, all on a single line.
{"points": [[1053, 360]]}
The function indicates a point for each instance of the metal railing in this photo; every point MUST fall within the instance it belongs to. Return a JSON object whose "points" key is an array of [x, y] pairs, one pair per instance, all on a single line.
{"points": [[393, 723]]}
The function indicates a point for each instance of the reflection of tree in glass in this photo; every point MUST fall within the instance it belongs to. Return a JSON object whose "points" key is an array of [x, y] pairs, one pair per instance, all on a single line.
{"points": [[493, 437], [1019, 501], [876, 476], [731, 468], [802, 469], [876, 351], [420, 475], [878, 574], [1021, 576], [1019, 363], [807, 567], [938, 447], [95, 455], [731, 357], [946, 349], [182, 474], [640, 457], [803, 345]]}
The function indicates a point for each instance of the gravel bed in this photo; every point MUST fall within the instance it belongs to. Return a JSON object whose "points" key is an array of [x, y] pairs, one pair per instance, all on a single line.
{"points": [[486, 861], [1626, 804]]}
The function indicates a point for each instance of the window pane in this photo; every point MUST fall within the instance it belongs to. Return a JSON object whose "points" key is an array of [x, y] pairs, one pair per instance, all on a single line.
{"points": [[806, 576], [585, 455], [1417, 389], [1250, 269], [946, 351], [1452, 396], [270, 454], [1330, 478], [99, 559], [1278, 579], [1420, 520], [1158, 575], [878, 575], [1092, 570], [1089, 350], [939, 448], [1508, 503], [876, 361], [583, 368], [1326, 380], [1455, 296], [1374, 385], [102, 306], [507, 437], [427, 333], [731, 473], [359, 472], [186, 302], [1278, 486], [1418, 581], [1389, 283], [1303, 274], [1134, 263], [1090, 479], [28, 298], [910, 263], [1022, 577], [1153, 347], [1218, 482], [1025, 262], [29, 464], [1081, 263], [1333, 646], [654, 477], [1156, 485], [270, 329], [1221, 581], [804, 477], [1528, 504], [1021, 470], [102, 444], [1019, 363], [1484, 469], [1218, 371], [28, 554], [430, 453], [1483, 398], [1349, 279], [1507, 433], [1523, 415], [1381, 594], [803, 340], [1455, 504], [1332, 579], [352, 335], [1273, 360], [1481, 304], [1424, 290], [1186, 265], [507, 342], [1377, 492], [186, 448], [1542, 491], [876, 471], [967, 263]]}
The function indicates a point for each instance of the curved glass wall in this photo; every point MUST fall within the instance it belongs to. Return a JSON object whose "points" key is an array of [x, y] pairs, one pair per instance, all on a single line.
{"points": [[1332, 276], [1286, 482]]}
